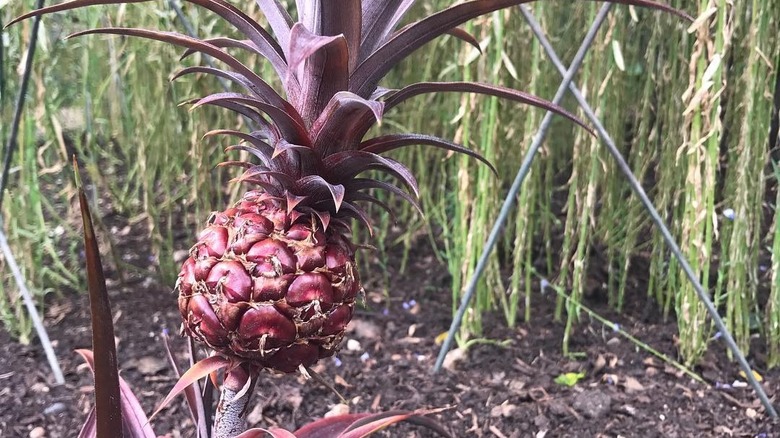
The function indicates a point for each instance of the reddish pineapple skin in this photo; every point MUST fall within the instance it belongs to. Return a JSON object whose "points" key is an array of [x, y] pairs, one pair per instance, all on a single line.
{"points": [[265, 291]]}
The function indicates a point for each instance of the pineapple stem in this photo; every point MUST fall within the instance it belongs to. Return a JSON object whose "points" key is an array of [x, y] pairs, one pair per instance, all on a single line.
{"points": [[231, 412]]}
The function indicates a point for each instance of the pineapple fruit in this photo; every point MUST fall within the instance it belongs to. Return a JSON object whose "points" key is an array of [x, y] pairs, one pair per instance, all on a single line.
{"points": [[272, 281]]}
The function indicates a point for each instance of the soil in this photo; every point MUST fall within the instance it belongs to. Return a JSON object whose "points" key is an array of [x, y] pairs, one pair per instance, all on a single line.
{"points": [[490, 390]]}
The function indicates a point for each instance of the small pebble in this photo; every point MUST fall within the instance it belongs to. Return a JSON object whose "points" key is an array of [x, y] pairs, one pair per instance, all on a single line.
{"points": [[55, 408], [38, 432]]}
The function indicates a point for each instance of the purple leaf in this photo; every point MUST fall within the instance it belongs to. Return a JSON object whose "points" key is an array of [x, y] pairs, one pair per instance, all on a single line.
{"points": [[195, 373], [279, 65], [326, 68], [390, 53], [336, 127], [268, 93], [274, 432], [343, 166], [379, 20], [108, 398], [328, 427], [465, 37], [279, 20], [285, 119], [343, 20], [314, 184], [366, 183], [473, 87], [385, 143], [134, 421]]}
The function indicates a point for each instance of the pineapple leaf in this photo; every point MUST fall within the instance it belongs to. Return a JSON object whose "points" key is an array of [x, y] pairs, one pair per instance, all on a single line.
{"points": [[465, 37], [279, 19], [134, 421], [373, 423], [286, 120], [251, 29], [344, 20], [379, 20], [474, 87], [265, 90], [358, 213], [275, 432], [229, 75], [108, 397], [386, 143], [366, 183], [375, 66], [312, 184], [365, 197], [198, 371], [326, 68], [336, 127], [343, 166]]}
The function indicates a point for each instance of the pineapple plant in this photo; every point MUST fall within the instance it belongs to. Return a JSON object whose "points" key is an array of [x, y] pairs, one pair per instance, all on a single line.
{"points": [[271, 282]]}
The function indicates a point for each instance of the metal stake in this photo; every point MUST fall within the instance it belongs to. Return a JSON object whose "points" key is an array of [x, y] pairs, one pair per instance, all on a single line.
{"points": [[30, 303], [657, 220], [512, 195]]}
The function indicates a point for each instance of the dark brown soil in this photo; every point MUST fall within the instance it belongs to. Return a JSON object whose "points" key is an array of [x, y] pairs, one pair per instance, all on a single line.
{"points": [[493, 391]]}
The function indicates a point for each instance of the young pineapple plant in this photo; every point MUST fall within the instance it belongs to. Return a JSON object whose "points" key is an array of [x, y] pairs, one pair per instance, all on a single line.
{"points": [[272, 281]]}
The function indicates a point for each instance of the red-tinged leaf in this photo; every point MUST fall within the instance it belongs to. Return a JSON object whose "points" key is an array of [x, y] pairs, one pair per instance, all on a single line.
{"points": [[343, 166], [465, 37], [274, 432], [367, 183], [343, 20], [379, 21], [283, 146], [285, 119], [243, 110], [397, 48], [386, 143], [198, 371], [317, 184], [108, 399], [249, 138], [279, 19], [330, 427], [260, 154], [474, 87], [365, 197], [336, 127], [228, 12], [89, 429], [134, 421], [374, 423], [353, 211], [326, 68], [192, 393], [266, 91], [229, 75]]}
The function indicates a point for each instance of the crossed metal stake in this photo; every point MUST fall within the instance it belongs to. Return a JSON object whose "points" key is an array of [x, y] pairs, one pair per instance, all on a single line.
{"points": [[567, 83]]}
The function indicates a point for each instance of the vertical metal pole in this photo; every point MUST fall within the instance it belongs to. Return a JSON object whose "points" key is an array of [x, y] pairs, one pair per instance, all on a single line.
{"points": [[512, 195], [11, 144], [657, 220]]}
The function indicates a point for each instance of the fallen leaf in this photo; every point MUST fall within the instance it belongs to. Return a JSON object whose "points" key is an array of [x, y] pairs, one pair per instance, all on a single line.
{"points": [[758, 377], [339, 409], [340, 381], [569, 379], [632, 385]]}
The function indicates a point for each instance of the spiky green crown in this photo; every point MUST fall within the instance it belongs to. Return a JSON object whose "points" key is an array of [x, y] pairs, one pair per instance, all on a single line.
{"points": [[310, 143]]}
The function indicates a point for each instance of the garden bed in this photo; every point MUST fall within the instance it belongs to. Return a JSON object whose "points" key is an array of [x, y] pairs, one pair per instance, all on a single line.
{"points": [[493, 391]]}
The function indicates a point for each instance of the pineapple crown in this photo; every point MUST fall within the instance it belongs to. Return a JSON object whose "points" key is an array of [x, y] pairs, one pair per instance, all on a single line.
{"points": [[310, 143]]}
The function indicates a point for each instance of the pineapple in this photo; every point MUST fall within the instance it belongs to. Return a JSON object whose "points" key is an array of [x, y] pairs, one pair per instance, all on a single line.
{"points": [[272, 281]]}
